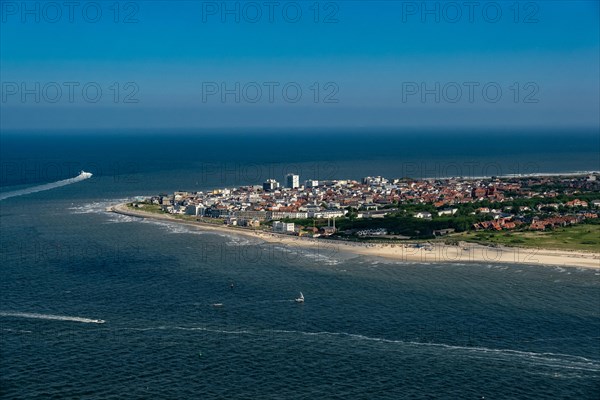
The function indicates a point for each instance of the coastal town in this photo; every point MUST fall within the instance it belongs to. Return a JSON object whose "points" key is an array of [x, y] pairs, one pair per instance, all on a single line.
{"points": [[377, 208]]}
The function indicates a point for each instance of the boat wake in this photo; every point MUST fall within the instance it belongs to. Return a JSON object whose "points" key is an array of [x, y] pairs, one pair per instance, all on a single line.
{"points": [[48, 186], [51, 317]]}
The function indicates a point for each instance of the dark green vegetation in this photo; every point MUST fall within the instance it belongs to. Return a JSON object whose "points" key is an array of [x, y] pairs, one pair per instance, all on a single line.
{"points": [[401, 223], [407, 225]]}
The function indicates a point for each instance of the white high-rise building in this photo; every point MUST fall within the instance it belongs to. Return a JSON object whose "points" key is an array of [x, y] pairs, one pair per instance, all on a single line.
{"points": [[270, 185], [292, 181]]}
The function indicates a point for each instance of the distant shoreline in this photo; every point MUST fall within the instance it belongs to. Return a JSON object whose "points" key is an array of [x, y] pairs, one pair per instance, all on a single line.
{"points": [[408, 252], [534, 175]]}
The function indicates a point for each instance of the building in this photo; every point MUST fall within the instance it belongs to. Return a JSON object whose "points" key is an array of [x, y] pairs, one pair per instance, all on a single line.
{"points": [[326, 214], [250, 223], [270, 185], [447, 211], [286, 214], [576, 203], [231, 220], [311, 183], [191, 209], [258, 215], [328, 230], [423, 215], [443, 232], [374, 214], [374, 181], [292, 181], [283, 227]]}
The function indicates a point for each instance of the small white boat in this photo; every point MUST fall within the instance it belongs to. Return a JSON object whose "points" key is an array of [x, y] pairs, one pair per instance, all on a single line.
{"points": [[300, 299], [217, 305]]}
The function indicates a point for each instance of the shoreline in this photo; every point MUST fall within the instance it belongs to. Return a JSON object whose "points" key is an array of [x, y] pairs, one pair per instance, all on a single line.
{"points": [[435, 252]]}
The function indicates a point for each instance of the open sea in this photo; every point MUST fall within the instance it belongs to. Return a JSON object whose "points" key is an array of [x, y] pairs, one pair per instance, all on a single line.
{"points": [[370, 328]]}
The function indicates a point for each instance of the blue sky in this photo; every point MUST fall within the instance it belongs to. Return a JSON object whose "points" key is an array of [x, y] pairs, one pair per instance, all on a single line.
{"points": [[341, 64]]}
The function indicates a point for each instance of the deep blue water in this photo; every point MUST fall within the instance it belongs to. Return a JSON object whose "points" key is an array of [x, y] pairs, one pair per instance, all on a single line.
{"points": [[370, 328]]}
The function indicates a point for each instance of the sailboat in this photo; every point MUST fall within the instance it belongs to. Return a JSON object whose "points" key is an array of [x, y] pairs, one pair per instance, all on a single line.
{"points": [[300, 299]]}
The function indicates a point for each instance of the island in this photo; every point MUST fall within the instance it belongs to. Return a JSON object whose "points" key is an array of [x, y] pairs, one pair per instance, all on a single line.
{"points": [[550, 220]]}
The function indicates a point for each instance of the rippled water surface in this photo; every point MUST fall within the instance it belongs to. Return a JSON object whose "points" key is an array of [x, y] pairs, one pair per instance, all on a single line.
{"points": [[97, 305]]}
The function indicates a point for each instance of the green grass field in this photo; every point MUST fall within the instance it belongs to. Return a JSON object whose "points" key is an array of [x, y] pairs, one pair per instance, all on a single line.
{"points": [[578, 237], [151, 208]]}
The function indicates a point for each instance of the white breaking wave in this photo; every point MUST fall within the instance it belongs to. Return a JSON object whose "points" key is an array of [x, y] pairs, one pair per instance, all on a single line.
{"points": [[120, 218], [48, 186], [98, 207], [172, 227], [51, 317]]}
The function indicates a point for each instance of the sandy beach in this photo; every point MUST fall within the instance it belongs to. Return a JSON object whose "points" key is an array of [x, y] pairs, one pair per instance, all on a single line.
{"points": [[429, 253]]}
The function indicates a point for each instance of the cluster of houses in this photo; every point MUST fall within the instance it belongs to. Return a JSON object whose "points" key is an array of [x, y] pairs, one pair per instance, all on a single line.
{"points": [[504, 221], [373, 197], [542, 224], [570, 204], [558, 221], [497, 224]]}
